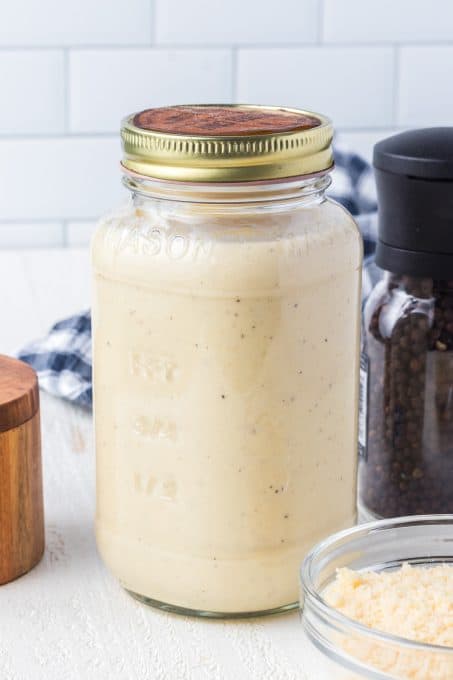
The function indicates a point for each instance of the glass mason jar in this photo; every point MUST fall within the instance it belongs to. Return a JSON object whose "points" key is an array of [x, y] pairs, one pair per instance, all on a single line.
{"points": [[226, 318], [406, 432], [338, 648]]}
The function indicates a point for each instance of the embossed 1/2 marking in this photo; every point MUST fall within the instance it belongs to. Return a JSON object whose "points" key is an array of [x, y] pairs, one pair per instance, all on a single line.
{"points": [[152, 368], [144, 484], [168, 490], [151, 486], [155, 428]]}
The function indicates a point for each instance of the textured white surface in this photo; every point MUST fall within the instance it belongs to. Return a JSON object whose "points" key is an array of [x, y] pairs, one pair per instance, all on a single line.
{"points": [[68, 619]]}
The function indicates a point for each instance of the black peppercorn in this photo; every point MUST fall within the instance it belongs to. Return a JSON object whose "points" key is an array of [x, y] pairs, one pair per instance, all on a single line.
{"points": [[407, 465]]}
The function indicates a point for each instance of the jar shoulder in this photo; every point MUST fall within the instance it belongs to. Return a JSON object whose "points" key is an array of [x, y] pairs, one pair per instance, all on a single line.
{"points": [[253, 224], [249, 248], [341, 215]]}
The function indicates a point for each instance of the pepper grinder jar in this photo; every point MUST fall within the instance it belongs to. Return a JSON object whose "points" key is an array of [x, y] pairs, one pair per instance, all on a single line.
{"points": [[21, 500], [406, 417]]}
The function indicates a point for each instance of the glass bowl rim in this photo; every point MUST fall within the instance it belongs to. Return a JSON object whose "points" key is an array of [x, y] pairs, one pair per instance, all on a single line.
{"points": [[313, 596]]}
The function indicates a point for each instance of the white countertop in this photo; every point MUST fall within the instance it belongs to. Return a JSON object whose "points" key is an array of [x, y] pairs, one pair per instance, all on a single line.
{"points": [[68, 619]]}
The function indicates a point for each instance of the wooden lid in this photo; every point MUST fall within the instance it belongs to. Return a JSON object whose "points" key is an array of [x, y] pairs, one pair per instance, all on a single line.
{"points": [[19, 393]]}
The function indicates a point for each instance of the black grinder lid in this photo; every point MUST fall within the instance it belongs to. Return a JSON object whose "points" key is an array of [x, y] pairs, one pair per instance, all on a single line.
{"points": [[414, 177]]}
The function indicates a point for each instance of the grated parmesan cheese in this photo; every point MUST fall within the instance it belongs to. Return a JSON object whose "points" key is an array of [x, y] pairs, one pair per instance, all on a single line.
{"points": [[412, 602]]}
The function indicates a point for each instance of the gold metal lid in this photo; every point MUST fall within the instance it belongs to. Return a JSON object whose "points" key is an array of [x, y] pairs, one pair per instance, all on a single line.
{"points": [[226, 143]]}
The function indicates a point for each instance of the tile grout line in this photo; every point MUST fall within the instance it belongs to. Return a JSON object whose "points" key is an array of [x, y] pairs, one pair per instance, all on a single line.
{"points": [[66, 90], [48, 220], [64, 234], [234, 74], [27, 136], [320, 19], [153, 27], [396, 83], [343, 44]]}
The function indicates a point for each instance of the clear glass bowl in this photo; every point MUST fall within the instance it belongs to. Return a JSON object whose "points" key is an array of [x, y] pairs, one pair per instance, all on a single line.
{"points": [[339, 648]]}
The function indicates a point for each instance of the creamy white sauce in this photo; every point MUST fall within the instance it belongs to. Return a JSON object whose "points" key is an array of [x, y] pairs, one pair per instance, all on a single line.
{"points": [[225, 355]]}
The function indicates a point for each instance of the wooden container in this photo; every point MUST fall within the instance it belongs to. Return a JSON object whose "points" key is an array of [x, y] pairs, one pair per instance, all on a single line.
{"points": [[21, 501]]}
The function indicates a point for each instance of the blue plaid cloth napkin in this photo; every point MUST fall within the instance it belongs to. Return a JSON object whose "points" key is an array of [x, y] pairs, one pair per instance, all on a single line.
{"points": [[63, 358]]}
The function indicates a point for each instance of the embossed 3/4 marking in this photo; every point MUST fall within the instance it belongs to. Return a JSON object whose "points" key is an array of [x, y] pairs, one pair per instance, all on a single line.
{"points": [[152, 368], [155, 428], [150, 485]]}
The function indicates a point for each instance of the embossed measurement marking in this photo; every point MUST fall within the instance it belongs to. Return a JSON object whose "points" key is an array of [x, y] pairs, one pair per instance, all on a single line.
{"points": [[155, 428], [150, 485], [152, 368]]}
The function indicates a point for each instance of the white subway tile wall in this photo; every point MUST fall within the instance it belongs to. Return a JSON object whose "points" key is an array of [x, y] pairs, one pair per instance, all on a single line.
{"points": [[426, 92], [354, 85], [69, 73], [106, 85], [25, 234], [79, 233], [58, 178], [33, 92], [43, 23], [235, 22], [362, 141], [385, 21]]}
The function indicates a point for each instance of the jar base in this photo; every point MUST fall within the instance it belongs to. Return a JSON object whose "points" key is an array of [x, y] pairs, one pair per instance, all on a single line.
{"points": [[184, 611]]}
